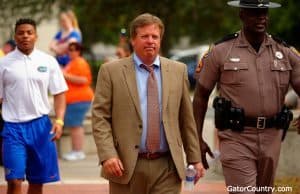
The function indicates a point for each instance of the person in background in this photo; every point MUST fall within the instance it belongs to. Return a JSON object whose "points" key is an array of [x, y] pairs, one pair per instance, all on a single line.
{"points": [[9, 46], [74, 20], [142, 117], [27, 75], [79, 96], [123, 50], [69, 32]]}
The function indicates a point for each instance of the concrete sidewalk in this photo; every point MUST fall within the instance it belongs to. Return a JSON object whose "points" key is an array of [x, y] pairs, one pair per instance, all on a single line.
{"points": [[205, 188], [83, 177], [88, 172]]}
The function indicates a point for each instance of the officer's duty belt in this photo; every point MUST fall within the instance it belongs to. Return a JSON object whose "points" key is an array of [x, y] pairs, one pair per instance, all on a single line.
{"points": [[260, 122]]}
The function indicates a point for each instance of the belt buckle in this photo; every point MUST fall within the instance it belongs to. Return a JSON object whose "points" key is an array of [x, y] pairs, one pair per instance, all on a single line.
{"points": [[261, 122]]}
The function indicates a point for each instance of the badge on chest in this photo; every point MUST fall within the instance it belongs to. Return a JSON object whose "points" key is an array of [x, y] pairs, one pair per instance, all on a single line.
{"points": [[278, 57]]}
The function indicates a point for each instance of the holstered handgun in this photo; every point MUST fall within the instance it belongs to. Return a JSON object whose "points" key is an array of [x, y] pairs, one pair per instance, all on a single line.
{"points": [[283, 120], [222, 109], [228, 117]]}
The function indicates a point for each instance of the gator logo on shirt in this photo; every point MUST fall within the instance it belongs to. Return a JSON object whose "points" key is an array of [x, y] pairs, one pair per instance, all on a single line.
{"points": [[42, 68]]}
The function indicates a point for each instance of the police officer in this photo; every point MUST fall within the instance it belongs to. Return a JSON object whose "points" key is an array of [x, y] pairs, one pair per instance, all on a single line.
{"points": [[253, 71]]}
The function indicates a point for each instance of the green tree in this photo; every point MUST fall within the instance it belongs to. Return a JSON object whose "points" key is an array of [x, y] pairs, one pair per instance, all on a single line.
{"points": [[102, 20], [285, 22], [202, 20], [11, 10]]}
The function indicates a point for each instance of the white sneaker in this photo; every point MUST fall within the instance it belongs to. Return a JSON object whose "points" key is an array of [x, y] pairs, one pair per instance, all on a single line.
{"points": [[74, 155]]}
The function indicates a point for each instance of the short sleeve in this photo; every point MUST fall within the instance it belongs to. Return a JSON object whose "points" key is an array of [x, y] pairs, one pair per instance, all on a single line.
{"points": [[79, 68], [57, 83], [58, 36], [209, 73], [75, 35], [294, 60]]}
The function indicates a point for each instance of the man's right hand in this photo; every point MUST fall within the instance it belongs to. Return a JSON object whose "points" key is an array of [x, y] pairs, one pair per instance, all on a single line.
{"points": [[205, 149], [113, 167]]}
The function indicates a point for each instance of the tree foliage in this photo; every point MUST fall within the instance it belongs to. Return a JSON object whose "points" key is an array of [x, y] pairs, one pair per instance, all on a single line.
{"points": [[285, 22], [203, 21], [11, 10], [102, 20]]}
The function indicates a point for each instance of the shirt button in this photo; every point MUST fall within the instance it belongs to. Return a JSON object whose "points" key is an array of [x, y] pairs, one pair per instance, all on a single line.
{"points": [[140, 126], [136, 146]]}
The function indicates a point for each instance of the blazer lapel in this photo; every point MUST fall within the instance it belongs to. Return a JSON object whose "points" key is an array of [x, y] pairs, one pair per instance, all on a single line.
{"points": [[165, 82], [130, 77]]}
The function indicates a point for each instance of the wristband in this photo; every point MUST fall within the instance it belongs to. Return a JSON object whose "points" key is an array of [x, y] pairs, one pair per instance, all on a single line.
{"points": [[60, 122]]}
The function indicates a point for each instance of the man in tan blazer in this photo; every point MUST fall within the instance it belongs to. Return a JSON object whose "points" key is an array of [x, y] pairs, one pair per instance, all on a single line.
{"points": [[124, 119]]}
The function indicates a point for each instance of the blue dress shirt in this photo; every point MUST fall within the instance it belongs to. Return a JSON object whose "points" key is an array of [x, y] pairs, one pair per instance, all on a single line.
{"points": [[141, 79]]}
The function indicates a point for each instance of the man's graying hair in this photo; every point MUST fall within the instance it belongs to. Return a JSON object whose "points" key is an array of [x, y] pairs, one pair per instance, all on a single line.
{"points": [[144, 20]]}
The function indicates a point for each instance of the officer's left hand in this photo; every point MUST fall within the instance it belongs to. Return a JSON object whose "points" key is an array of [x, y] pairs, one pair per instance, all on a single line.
{"points": [[56, 131], [204, 148]]}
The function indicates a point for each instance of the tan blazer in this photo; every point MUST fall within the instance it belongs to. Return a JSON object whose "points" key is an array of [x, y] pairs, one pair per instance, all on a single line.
{"points": [[117, 121]]}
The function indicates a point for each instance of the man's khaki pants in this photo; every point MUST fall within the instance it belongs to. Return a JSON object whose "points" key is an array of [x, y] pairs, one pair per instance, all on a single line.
{"points": [[158, 176]]}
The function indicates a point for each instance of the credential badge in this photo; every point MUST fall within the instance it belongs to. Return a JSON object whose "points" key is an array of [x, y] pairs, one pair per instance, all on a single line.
{"points": [[278, 55]]}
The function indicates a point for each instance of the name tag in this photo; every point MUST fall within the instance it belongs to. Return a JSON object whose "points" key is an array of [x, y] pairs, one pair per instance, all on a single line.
{"points": [[235, 60]]}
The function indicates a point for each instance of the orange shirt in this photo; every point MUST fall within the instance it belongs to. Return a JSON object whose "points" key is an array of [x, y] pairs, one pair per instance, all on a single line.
{"points": [[79, 92]]}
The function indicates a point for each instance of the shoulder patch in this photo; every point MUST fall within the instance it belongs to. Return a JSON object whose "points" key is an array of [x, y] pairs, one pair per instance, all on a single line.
{"points": [[227, 37], [200, 64], [280, 41], [294, 50]]}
